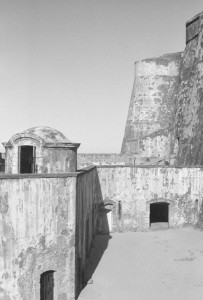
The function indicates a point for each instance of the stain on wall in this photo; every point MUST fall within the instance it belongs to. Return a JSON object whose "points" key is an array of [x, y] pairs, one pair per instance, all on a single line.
{"points": [[166, 104], [189, 121], [151, 110], [137, 187], [37, 230], [86, 159], [47, 222]]}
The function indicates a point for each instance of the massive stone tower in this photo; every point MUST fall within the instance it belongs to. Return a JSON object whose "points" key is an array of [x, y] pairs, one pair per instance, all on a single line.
{"points": [[151, 111], [165, 114]]}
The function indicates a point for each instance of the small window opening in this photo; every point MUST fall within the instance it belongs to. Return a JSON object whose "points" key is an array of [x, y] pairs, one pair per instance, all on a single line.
{"points": [[47, 285], [159, 212], [27, 156], [119, 210]]}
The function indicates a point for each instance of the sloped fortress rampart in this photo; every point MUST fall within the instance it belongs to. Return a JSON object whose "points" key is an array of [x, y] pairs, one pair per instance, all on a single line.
{"points": [[151, 111], [189, 113], [164, 121]]}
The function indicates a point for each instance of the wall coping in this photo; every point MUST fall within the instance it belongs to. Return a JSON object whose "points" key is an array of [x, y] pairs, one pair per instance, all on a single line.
{"points": [[32, 176], [89, 169], [193, 19], [151, 166], [50, 175], [86, 170]]}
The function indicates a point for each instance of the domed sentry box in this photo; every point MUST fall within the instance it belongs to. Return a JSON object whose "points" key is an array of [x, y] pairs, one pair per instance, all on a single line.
{"points": [[40, 150]]}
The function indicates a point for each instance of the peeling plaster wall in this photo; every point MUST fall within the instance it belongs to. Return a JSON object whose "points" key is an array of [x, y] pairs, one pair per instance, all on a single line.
{"points": [[37, 230], [89, 198], [151, 110], [189, 117], [157, 144], [57, 160], [137, 187]]}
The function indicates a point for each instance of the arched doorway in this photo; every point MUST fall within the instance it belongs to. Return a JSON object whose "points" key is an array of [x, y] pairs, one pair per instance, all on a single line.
{"points": [[26, 159], [47, 285], [159, 213]]}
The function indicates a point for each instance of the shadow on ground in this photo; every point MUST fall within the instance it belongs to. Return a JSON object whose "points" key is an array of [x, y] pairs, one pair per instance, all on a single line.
{"points": [[100, 244]]}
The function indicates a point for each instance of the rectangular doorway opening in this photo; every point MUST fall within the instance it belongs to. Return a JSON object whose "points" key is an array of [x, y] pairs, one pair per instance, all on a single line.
{"points": [[47, 286], [26, 159], [159, 215]]}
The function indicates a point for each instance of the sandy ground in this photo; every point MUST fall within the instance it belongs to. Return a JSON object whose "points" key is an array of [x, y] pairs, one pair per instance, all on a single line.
{"points": [[154, 265]]}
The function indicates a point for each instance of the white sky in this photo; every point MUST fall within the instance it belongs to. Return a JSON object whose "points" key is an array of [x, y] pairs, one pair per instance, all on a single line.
{"points": [[69, 64]]}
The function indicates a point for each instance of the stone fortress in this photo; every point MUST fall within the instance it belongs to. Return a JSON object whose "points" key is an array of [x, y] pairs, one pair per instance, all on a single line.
{"points": [[53, 201]]}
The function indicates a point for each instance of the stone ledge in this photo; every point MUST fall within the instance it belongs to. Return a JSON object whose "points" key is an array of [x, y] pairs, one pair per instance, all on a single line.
{"points": [[151, 166], [32, 176]]}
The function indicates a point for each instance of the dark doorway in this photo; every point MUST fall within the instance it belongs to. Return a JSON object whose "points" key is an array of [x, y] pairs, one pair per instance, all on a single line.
{"points": [[27, 159], [159, 212], [47, 286]]}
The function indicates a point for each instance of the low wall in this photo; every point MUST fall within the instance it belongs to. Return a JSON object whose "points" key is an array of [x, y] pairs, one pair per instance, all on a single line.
{"points": [[37, 231], [137, 187]]}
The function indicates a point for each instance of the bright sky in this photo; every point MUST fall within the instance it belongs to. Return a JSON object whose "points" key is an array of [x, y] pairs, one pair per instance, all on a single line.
{"points": [[69, 64]]}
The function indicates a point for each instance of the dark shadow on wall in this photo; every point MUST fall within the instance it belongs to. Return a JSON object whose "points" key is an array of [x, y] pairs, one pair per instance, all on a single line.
{"points": [[101, 239], [100, 244], [96, 234]]}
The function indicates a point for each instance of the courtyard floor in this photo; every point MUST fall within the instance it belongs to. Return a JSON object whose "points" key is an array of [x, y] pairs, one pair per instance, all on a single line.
{"points": [[154, 265]]}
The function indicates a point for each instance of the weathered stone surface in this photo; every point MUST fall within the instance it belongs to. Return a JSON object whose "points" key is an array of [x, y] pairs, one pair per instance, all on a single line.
{"points": [[192, 28], [165, 113], [48, 221], [34, 213], [54, 152], [151, 110], [138, 187], [41, 231], [189, 121], [86, 159], [4, 203]]}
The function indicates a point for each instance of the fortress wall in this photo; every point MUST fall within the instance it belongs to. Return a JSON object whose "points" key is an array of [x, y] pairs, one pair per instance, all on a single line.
{"points": [[192, 28], [37, 232], [87, 159], [136, 187], [189, 120], [151, 109], [154, 145]]}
